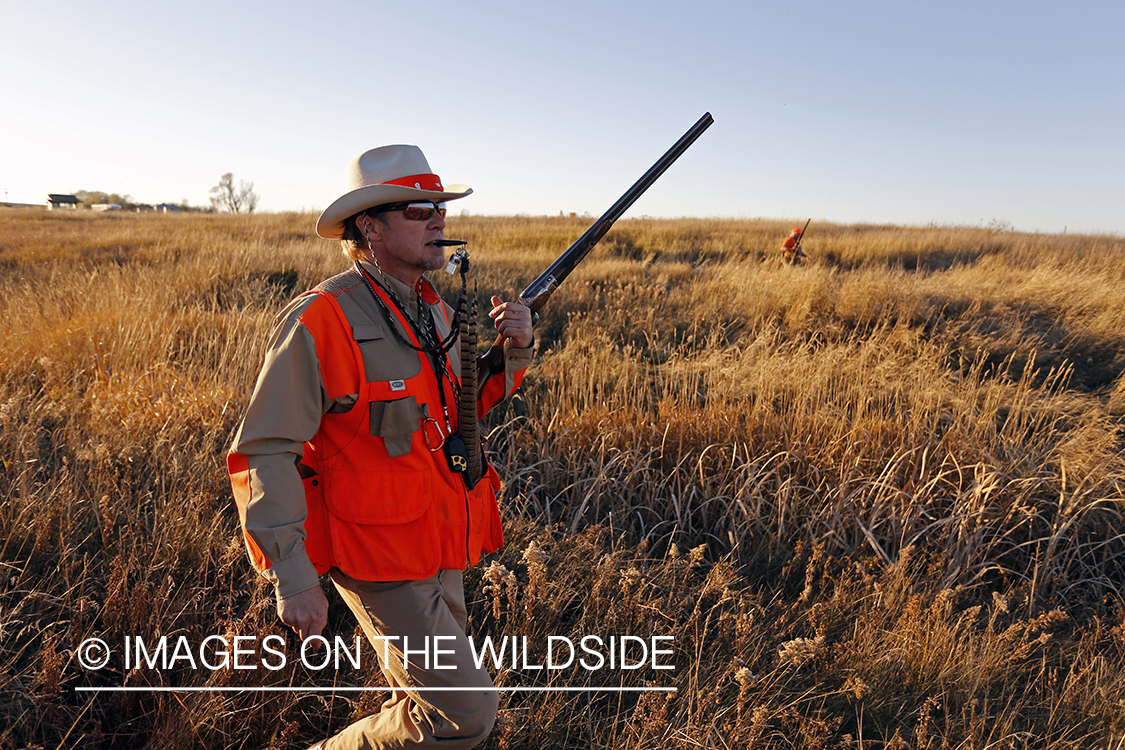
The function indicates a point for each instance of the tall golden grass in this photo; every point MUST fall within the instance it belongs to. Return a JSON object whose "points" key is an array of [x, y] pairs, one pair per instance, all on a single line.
{"points": [[877, 500]]}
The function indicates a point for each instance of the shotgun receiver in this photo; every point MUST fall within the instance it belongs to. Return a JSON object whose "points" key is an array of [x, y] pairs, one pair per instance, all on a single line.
{"points": [[539, 291]]}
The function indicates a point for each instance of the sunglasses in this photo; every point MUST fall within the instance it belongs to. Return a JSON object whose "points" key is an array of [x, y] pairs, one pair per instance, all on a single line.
{"points": [[416, 211]]}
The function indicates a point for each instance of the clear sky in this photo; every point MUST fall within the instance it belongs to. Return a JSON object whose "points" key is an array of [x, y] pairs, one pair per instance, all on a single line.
{"points": [[896, 111]]}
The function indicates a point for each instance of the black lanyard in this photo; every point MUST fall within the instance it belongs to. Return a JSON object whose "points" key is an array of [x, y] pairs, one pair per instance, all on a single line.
{"points": [[426, 333]]}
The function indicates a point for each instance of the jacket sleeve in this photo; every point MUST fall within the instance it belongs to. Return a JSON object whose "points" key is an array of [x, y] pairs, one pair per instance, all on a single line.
{"points": [[284, 412]]}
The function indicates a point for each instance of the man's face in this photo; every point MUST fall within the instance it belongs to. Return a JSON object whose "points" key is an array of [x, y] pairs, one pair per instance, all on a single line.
{"points": [[404, 248]]}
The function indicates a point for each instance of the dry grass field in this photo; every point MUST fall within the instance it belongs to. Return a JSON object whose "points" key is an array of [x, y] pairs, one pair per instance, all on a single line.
{"points": [[877, 501]]}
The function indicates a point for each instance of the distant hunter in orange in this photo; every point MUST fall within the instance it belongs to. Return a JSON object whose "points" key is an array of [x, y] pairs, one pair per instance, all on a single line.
{"points": [[791, 247]]}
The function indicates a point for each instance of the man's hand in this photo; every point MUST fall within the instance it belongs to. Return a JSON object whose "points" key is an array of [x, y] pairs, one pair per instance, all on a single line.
{"points": [[306, 612], [513, 322]]}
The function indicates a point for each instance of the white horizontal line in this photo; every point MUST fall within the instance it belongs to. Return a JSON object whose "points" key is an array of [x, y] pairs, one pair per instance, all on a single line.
{"points": [[266, 689]]}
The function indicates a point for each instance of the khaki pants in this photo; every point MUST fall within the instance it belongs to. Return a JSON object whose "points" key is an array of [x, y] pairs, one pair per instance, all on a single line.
{"points": [[419, 610]]}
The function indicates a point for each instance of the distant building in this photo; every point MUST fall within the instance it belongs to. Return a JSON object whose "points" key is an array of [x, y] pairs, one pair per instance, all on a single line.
{"points": [[142, 208], [168, 208], [59, 200], [106, 207]]}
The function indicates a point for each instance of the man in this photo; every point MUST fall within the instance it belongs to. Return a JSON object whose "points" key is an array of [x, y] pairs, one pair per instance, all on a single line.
{"points": [[342, 462], [791, 247]]}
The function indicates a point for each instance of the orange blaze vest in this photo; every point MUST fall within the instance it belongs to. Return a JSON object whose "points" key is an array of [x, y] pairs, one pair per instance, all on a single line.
{"points": [[383, 506]]}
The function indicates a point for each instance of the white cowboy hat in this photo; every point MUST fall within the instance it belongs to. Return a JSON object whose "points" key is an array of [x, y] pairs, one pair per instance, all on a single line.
{"points": [[389, 174]]}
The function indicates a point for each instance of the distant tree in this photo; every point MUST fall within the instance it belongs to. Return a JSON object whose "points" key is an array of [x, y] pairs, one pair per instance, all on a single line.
{"points": [[226, 197], [125, 201], [88, 198]]}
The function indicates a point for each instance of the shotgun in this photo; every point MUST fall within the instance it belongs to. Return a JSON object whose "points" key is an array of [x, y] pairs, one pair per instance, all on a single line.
{"points": [[535, 296], [797, 244]]}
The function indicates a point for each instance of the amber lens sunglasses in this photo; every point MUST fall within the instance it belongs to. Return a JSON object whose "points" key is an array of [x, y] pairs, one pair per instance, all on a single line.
{"points": [[415, 211]]}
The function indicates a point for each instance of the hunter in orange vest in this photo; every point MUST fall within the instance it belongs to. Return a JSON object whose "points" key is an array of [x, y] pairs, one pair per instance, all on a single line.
{"points": [[791, 247], [341, 464]]}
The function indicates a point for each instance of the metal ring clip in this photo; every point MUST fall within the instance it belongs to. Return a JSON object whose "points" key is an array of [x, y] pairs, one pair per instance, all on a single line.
{"points": [[426, 434]]}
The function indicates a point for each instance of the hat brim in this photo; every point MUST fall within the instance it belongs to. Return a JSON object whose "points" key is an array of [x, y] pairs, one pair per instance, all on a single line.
{"points": [[330, 225]]}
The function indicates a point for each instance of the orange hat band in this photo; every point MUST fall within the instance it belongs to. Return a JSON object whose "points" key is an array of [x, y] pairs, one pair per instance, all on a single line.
{"points": [[419, 181]]}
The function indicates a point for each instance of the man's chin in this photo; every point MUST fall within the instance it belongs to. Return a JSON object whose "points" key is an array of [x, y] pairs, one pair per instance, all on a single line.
{"points": [[435, 260]]}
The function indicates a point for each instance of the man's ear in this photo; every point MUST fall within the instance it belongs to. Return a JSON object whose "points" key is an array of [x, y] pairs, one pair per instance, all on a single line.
{"points": [[367, 227]]}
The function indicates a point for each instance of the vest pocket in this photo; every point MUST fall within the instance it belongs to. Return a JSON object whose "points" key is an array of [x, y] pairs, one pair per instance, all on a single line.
{"points": [[396, 422], [380, 513], [383, 357]]}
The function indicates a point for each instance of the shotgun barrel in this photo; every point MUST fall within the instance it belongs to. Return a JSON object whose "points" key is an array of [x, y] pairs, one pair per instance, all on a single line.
{"points": [[539, 291], [797, 244]]}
